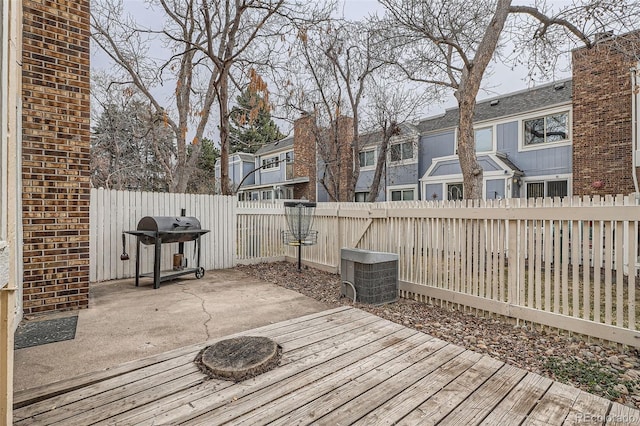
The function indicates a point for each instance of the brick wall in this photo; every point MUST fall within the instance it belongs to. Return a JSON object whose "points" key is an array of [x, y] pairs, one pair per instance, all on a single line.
{"points": [[55, 169], [305, 136], [345, 141], [602, 120], [304, 163]]}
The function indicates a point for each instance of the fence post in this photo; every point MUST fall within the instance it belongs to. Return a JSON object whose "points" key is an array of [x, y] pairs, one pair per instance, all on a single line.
{"points": [[513, 248]]}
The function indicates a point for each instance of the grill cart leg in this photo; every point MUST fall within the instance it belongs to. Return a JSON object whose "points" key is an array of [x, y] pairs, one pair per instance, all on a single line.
{"points": [[199, 269], [156, 263], [137, 261]]}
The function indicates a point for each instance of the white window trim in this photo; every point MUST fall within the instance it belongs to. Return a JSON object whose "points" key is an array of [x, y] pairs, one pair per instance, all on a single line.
{"points": [[444, 180], [412, 160], [401, 188], [445, 190], [360, 192], [375, 159], [546, 178], [541, 114], [270, 169], [494, 140], [477, 126]]}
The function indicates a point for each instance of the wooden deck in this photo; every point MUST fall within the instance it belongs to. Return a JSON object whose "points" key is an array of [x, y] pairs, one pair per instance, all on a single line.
{"points": [[339, 367]]}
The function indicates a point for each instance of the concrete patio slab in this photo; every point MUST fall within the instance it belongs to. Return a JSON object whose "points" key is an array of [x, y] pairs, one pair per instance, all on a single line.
{"points": [[125, 323]]}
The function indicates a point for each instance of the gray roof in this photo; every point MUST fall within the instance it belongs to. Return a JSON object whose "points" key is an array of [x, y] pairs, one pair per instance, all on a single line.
{"points": [[245, 156], [374, 138], [514, 103], [275, 146]]}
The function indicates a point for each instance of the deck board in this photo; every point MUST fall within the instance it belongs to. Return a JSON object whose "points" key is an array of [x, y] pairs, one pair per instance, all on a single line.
{"points": [[341, 366]]}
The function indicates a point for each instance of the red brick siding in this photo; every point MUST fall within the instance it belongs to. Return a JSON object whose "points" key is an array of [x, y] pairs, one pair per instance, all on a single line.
{"points": [[55, 168], [304, 164], [601, 121], [345, 142]]}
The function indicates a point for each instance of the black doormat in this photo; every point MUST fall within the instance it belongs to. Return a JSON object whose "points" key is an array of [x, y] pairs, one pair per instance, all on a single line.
{"points": [[35, 333]]}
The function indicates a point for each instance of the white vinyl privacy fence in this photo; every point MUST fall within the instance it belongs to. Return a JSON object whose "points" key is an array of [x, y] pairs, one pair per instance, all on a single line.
{"points": [[569, 264], [113, 212]]}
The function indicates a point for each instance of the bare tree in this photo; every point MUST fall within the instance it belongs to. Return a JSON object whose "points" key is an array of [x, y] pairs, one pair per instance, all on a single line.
{"points": [[336, 61], [451, 42], [392, 103], [210, 41]]}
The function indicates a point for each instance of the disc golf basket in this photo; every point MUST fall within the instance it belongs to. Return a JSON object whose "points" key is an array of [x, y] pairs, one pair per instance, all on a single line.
{"points": [[299, 215]]}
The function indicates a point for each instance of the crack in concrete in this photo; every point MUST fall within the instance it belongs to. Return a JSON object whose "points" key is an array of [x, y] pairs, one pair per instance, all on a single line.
{"points": [[204, 310]]}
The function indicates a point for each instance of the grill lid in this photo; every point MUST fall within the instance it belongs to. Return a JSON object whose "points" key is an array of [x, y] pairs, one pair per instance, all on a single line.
{"points": [[170, 229], [168, 223]]}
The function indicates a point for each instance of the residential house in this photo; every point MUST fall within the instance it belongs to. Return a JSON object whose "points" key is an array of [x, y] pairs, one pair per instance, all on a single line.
{"points": [[241, 170], [400, 175], [523, 144], [289, 168], [572, 137]]}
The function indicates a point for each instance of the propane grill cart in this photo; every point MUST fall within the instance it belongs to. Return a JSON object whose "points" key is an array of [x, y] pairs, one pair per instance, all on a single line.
{"points": [[159, 230]]}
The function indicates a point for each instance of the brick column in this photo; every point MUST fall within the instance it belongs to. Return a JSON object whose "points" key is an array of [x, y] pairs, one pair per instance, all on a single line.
{"points": [[345, 153], [305, 162], [55, 169], [602, 119]]}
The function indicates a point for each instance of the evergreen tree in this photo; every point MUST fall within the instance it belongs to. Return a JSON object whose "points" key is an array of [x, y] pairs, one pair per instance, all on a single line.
{"points": [[202, 180], [131, 147], [251, 123]]}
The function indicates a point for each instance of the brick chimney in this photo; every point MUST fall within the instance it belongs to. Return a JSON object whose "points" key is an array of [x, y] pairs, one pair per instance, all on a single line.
{"points": [[602, 151], [344, 128], [305, 161]]}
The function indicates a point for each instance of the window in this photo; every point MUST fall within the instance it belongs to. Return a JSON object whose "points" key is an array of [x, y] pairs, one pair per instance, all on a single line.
{"points": [[484, 139], [402, 195], [288, 165], [361, 197], [367, 158], [552, 188], [455, 191], [267, 195], [285, 193], [548, 129], [401, 151], [270, 162], [535, 189], [558, 188]]}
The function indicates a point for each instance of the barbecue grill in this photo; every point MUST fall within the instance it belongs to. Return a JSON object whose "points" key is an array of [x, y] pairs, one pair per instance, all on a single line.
{"points": [[159, 230]]}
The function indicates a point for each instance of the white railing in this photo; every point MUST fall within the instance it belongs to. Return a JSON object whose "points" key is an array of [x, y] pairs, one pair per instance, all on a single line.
{"points": [[113, 212]]}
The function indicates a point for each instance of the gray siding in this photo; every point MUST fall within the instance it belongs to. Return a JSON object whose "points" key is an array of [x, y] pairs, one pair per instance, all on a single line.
{"points": [[452, 167], [435, 146], [364, 183], [448, 167], [539, 162], [246, 168], [402, 175], [433, 188]]}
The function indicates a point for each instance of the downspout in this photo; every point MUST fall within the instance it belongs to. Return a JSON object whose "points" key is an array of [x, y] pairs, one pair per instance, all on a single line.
{"points": [[634, 123]]}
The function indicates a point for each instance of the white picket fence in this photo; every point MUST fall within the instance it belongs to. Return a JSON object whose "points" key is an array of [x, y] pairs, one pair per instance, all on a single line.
{"points": [[113, 212], [563, 264], [569, 264]]}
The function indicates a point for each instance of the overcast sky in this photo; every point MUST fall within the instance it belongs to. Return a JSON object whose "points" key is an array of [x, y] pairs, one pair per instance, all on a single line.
{"points": [[502, 80]]}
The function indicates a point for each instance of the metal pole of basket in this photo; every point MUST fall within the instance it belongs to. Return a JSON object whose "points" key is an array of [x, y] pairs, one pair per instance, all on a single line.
{"points": [[299, 237]]}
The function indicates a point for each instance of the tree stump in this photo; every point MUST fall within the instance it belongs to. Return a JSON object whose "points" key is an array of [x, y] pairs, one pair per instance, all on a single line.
{"points": [[239, 358]]}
